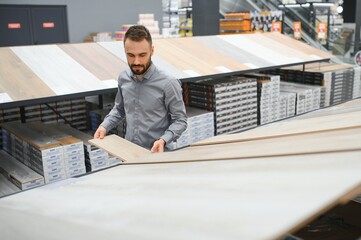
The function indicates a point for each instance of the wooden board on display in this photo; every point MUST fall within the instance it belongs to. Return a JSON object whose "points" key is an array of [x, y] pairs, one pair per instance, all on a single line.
{"points": [[287, 128], [263, 198], [17, 79], [95, 59]]}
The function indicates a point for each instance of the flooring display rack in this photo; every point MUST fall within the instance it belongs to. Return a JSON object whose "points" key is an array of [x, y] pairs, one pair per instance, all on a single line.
{"points": [[253, 185]]}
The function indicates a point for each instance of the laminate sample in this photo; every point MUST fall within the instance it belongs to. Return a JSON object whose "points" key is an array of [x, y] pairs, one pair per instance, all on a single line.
{"points": [[121, 148], [287, 128], [18, 82], [57, 70], [233, 52], [318, 142], [263, 198], [314, 53], [95, 59]]}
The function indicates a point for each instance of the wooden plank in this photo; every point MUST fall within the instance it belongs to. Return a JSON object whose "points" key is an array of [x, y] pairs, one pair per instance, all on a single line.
{"points": [[314, 53], [293, 127], [238, 199], [203, 52], [318, 142], [233, 52], [58, 70], [121, 148], [95, 59], [18, 82]]}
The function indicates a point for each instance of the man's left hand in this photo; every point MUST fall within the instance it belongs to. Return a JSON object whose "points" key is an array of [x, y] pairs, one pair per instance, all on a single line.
{"points": [[158, 146]]}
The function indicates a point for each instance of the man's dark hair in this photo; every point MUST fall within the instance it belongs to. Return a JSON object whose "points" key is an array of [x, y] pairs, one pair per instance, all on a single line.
{"points": [[137, 33]]}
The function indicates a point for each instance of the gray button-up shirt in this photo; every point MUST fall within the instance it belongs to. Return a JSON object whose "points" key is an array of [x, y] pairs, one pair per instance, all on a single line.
{"points": [[153, 107]]}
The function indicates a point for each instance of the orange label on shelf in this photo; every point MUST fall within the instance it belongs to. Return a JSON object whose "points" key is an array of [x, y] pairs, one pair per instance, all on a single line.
{"points": [[322, 30], [276, 26], [48, 25], [14, 25], [297, 32]]}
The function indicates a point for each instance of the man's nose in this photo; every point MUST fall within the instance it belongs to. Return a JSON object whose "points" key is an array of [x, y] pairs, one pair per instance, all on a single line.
{"points": [[136, 60]]}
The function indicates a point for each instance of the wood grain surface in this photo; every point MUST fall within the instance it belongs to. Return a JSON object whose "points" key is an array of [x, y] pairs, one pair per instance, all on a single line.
{"points": [[287, 128], [263, 198], [18, 81], [315, 54], [57, 70], [318, 142], [121, 148], [95, 59], [233, 52]]}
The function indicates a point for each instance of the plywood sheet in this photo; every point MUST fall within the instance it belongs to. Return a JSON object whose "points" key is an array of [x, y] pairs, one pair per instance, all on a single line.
{"points": [[95, 59], [61, 73], [319, 142], [197, 200], [18, 82], [121, 148], [293, 127]]}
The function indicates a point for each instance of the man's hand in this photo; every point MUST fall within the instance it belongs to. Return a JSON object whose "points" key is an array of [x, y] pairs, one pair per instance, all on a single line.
{"points": [[100, 132], [158, 146]]}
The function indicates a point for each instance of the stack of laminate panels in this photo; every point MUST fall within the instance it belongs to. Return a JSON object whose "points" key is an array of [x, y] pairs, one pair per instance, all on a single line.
{"points": [[341, 83], [268, 96], [289, 99], [41, 153], [357, 83], [200, 126], [19, 174], [95, 158], [308, 97], [8, 115], [73, 154], [233, 101]]}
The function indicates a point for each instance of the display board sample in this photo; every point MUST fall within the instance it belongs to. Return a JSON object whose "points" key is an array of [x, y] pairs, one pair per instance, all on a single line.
{"points": [[95, 59], [263, 198], [58, 70], [18, 82]]}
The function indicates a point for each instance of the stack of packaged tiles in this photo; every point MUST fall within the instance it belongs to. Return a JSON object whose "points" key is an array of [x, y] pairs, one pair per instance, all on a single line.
{"points": [[17, 173], [73, 154], [340, 82], [95, 158], [233, 100], [8, 115], [41, 153], [271, 106], [200, 126], [308, 97]]}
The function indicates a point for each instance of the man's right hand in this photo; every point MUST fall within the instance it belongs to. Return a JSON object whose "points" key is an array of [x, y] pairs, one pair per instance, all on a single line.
{"points": [[100, 132]]}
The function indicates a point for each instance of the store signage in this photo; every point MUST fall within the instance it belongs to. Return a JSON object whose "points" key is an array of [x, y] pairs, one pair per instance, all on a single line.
{"points": [[322, 30], [358, 58], [48, 25], [277, 27], [14, 25], [297, 32]]}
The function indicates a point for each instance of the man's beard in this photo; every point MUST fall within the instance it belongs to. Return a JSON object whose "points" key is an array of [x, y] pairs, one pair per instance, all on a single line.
{"points": [[143, 68]]}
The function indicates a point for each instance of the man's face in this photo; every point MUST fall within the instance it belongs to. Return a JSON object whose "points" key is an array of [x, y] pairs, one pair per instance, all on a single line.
{"points": [[138, 55]]}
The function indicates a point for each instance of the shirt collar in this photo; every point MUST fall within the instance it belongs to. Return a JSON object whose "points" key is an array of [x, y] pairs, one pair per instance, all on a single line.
{"points": [[146, 75]]}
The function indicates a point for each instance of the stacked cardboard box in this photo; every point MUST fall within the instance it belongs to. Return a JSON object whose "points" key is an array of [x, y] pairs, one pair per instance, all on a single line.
{"points": [[233, 101], [73, 153], [41, 153], [357, 83], [95, 158], [19, 174], [200, 126], [235, 23], [268, 96]]}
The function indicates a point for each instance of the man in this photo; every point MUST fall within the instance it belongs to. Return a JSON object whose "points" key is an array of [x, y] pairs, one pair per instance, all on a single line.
{"points": [[150, 100]]}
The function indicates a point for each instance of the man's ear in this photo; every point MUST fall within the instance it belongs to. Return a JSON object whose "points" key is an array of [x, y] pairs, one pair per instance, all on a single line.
{"points": [[152, 51]]}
